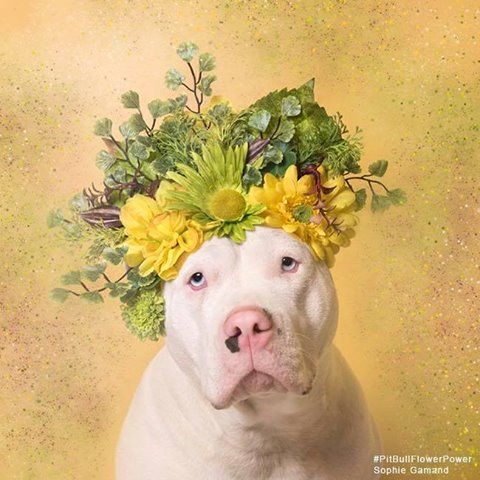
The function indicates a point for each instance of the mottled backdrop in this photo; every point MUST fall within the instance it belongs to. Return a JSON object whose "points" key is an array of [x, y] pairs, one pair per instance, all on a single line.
{"points": [[407, 72]]}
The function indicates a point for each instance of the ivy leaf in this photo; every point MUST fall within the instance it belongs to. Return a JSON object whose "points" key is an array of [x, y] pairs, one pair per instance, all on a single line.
{"points": [[118, 289], [378, 168], [252, 177], [54, 218], [159, 108], [205, 84], [114, 255], [105, 160], [397, 196], [160, 166], [360, 199], [71, 278], [130, 99], [103, 127], [139, 151], [59, 295], [127, 130], [186, 51], [93, 272], [291, 106], [206, 62], [380, 203], [260, 120], [177, 103], [173, 79], [286, 131], [92, 297]]}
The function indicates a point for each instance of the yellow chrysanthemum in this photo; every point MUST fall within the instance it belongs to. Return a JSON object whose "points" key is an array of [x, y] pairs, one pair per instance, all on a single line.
{"points": [[324, 223], [158, 241]]}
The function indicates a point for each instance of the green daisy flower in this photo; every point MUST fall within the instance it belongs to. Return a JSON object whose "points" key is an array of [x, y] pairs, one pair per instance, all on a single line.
{"points": [[212, 193]]}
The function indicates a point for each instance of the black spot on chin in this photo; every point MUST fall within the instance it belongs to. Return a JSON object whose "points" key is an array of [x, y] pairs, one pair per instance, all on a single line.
{"points": [[232, 344]]}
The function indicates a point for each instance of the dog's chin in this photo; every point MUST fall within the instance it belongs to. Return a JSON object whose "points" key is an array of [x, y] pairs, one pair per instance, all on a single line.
{"points": [[256, 383]]}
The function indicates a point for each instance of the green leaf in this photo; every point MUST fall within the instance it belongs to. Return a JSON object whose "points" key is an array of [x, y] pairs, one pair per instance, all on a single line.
{"points": [[54, 218], [103, 127], [79, 202], [71, 278], [273, 155], [93, 272], [173, 79], [286, 131], [380, 203], [378, 168], [260, 120], [178, 103], [205, 84], [252, 177], [137, 123], [360, 199], [206, 62], [130, 99], [160, 166], [139, 150], [186, 51], [291, 106], [117, 289], [92, 297], [59, 295], [127, 130], [397, 196], [114, 255], [159, 108], [105, 160]]}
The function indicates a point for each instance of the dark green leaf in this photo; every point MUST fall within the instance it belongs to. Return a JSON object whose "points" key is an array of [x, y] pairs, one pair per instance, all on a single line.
{"points": [[131, 99], [114, 255], [378, 168], [252, 177], [205, 84]]}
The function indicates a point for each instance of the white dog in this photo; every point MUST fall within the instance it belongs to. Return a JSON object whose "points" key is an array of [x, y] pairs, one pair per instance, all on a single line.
{"points": [[250, 385]]}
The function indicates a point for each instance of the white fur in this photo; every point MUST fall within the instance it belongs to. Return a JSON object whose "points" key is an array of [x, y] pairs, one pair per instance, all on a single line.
{"points": [[193, 417]]}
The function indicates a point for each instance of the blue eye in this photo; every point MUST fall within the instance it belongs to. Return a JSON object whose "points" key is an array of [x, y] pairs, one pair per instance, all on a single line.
{"points": [[197, 281], [289, 264]]}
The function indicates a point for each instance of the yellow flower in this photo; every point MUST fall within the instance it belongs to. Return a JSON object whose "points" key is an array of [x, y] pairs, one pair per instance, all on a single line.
{"points": [[158, 241], [324, 223]]}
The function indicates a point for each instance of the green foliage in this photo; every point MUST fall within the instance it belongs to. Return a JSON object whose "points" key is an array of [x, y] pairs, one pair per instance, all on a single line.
{"points": [[54, 218], [206, 62], [205, 85], [72, 278], [130, 99], [93, 272], [173, 79], [144, 314], [397, 196], [291, 106], [380, 203], [360, 199], [186, 51], [105, 160], [59, 295], [103, 127], [159, 108], [92, 297], [378, 168], [260, 120]]}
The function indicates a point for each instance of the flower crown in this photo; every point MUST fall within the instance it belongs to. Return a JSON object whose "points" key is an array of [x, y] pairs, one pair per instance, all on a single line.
{"points": [[190, 173]]}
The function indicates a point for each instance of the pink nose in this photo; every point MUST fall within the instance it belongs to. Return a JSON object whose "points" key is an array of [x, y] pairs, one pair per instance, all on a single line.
{"points": [[248, 328]]}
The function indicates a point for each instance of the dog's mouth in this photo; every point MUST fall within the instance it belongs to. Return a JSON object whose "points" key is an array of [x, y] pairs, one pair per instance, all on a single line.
{"points": [[257, 382]]}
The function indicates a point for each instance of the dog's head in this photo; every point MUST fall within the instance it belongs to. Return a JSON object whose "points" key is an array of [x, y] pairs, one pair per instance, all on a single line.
{"points": [[245, 319]]}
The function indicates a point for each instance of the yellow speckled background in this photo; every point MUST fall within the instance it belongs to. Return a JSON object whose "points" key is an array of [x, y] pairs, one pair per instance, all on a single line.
{"points": [[407, 72]]}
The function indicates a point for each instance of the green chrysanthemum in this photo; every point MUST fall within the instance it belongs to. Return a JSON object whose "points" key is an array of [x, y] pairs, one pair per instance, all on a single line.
{"points": [[144, 315], [211, 192]]}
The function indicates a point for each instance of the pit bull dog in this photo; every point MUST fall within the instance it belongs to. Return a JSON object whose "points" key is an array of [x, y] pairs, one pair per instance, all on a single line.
{"points": [[249, 385]]}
